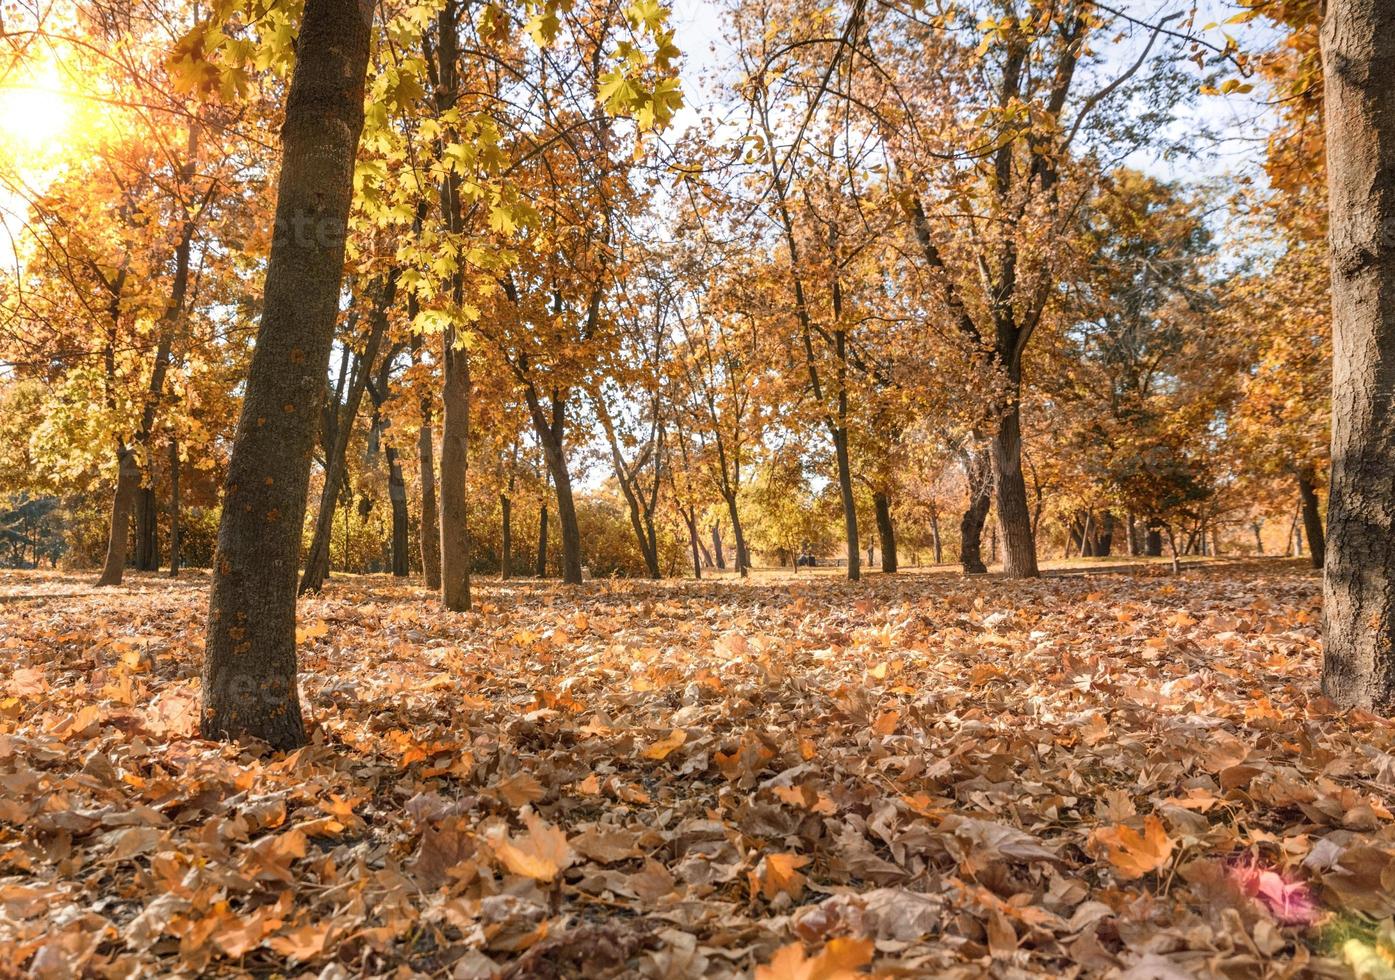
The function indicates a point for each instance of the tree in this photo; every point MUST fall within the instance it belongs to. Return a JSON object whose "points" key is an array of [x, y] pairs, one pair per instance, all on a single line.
{"points": [[1359, 580], [249, 671]]}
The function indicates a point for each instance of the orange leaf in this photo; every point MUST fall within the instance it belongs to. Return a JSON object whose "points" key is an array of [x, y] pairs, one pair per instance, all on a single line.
{"points": [[839, 960], [1133, 854], [542, 854]]}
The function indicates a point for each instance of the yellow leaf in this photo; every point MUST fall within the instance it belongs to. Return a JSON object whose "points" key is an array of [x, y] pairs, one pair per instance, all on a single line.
{"points": [[660, 750]]}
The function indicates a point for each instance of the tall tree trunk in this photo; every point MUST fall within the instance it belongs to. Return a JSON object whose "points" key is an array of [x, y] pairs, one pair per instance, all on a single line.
{"points": [[738, 533], [541, 569], [455, 357], [175, 506], [249, 669], [1312, 518], [706, 555], [337, 452], [127, 465], [147, 531], [397, 496], [935, 536], [455, 435], [845, 493], [718, 551], [1153, 539], [1359, 581], [690, 519], [119, 525], [505, 536], [976, 471], [1009, 486], [1104, 540], [886, 531], [428, 529]]}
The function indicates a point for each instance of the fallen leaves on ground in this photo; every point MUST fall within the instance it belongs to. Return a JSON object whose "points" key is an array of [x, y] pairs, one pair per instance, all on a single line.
{"points": [[1102, 775]]}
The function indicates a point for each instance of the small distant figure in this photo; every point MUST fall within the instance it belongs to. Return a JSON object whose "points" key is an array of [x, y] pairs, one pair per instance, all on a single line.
{"points": [[806, 557]]}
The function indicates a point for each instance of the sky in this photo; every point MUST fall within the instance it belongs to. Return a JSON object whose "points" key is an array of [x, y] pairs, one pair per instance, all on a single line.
{"points": [[1238, 120]]}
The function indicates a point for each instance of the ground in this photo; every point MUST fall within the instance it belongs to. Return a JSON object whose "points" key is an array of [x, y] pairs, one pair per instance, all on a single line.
{"points": [[1117, 773]]}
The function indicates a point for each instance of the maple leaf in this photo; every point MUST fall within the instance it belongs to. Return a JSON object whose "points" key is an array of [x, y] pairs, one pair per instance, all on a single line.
{"points": [[778, 874], [542, 854], [1135, 854], [840, 959]]}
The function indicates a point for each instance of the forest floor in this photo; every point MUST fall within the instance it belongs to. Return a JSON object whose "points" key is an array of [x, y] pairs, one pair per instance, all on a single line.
{"points": [[1094, 774]]}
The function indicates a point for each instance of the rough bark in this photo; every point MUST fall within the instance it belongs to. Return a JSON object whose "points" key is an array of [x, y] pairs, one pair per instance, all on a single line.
{"points": [[455, 435], [976, 470], [455, 358], [249, 670], [147, 557], [1359, 578], [1312, 519], [1010, 489], [886, 531], [718, 552], [123, 501]]}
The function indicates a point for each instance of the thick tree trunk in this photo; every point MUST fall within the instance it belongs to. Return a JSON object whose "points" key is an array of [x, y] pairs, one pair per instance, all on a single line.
{"points": [[1312, 519], [175, 507], [397, 496], [976, 471], [123, 501], [1153, 539], [455, 436], [845, 493], [1359, 582], [1014, 516], [541, 568], [249, 670], [886, 531], [717, 550], [1104, 537], [147, 531]]}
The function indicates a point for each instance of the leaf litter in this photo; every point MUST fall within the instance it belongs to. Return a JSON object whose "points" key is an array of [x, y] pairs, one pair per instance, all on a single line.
{"points": [[1112, 775]]}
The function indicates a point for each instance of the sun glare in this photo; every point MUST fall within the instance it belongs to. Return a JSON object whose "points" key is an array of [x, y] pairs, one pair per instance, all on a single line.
{"points": [[34, 113]]}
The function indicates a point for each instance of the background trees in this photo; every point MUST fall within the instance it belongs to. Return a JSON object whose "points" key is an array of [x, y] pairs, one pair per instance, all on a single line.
{"points": [[918, 268]]}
